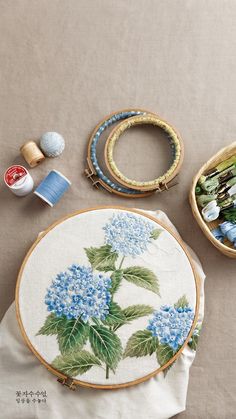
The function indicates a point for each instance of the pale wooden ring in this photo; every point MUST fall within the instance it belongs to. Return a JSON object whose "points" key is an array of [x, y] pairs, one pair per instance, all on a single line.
{"points": [[161, 181]]}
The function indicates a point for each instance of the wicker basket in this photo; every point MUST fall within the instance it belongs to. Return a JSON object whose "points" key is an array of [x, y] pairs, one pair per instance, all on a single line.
{"points": [[226, 248]]}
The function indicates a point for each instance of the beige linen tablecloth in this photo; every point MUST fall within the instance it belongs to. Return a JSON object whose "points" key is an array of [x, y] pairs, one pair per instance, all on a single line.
{"points": [[64, 66]]}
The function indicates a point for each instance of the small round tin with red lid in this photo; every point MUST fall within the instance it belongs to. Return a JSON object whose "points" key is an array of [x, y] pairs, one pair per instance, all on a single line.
{"points": [[18, 180]]}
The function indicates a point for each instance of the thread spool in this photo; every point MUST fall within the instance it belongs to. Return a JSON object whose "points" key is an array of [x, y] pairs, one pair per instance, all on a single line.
{"points": [[226, 226], [18, 180], [231, 234], [232, 190], [52, 187], [211, 211], [203, 200], [217, 233], [32, 153], [229, 230]]}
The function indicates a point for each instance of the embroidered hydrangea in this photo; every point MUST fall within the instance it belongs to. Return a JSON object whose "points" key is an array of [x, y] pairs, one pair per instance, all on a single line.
{"points": [[128, 234], [172, 325], [79, 292]]}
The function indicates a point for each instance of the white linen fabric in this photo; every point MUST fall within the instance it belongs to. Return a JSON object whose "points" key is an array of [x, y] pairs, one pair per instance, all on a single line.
{"points": [[158, 398]]}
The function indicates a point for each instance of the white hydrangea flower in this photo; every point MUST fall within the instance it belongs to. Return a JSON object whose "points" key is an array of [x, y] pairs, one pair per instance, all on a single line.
{"points": [[128, 234]]}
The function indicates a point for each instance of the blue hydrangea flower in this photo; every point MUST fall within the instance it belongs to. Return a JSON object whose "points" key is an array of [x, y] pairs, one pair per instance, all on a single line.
{"points": [[171, 325], [128, 234], [79, 292], [196, 332]]}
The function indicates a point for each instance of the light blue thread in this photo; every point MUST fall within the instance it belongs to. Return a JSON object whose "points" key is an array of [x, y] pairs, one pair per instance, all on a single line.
{"points": [[226, 226], [52, 187], [93, 152], [231, 235], [229, 230], [217, 233]]}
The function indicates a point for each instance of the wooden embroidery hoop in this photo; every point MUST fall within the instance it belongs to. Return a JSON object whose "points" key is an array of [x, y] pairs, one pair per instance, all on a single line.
{"points": [[71, 382], [91, 173], [159, 184]]}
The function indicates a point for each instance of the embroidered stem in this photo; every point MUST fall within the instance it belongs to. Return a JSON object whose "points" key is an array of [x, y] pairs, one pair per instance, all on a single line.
{"points": [[107, 372], [121, 262], [107, 368]]}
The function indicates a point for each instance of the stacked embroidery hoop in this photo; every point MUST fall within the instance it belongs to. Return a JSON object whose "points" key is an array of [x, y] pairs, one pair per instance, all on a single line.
{"points": [[114, 309], [118, 183]]}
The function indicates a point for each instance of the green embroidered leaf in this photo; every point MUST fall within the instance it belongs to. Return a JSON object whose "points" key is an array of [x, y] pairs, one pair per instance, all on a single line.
{"points": [[73, 336], [141, 343], [193, 342], [136, 311], [115, 316], [116, 279], [155, 233], [164, 353], [52, 325], [75, 363], [96, 321], [142, 277], [106, 345], [102, 258], [182, 302]]}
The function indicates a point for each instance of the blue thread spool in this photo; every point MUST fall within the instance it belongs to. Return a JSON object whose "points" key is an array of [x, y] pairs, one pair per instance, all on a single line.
{"points": [[217, 233], [226, 226], [52, 187], [231, 235]]}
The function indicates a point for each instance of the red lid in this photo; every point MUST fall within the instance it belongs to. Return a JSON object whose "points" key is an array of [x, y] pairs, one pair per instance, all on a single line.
{"points": [[14, 173]]}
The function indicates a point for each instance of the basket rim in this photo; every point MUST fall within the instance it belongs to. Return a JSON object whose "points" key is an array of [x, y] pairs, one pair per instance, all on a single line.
{"points": [[193, 202]]}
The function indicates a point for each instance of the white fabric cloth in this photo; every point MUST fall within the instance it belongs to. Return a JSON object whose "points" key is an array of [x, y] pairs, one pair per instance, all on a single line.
{"points": [[157, 398]]}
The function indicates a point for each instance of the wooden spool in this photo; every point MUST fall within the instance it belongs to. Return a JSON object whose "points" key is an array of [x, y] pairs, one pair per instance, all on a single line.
{"points": [[225, 248], [165, 254]]}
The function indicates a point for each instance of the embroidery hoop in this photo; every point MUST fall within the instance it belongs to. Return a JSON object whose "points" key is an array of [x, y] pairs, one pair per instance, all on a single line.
{"points": [[94, 172], [160, 183], [71, 382]]}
